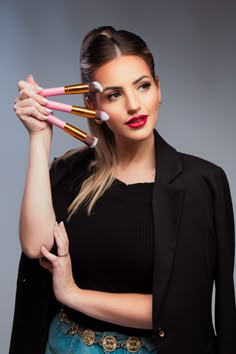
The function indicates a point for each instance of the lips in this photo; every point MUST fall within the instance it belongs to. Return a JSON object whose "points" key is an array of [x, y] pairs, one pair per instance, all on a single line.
{"points": [[138, 121]]}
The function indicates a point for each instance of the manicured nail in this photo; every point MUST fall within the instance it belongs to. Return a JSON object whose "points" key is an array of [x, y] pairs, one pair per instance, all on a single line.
{"points": [[44, 100], [47, 110], [38, 88], [43, 117]]}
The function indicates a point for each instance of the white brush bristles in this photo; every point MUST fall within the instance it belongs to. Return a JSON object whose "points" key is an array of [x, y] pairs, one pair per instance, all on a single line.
{"points": [[102, 115], [91, 141], [94, 86]]}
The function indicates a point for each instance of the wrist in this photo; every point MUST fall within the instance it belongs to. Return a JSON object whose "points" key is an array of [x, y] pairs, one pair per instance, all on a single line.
{"points": [[41, 141], [72, 297], [44, 135]]}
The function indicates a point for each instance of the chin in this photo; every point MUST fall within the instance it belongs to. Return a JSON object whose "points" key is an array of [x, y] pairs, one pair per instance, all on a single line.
{"points": [[140, 135]]}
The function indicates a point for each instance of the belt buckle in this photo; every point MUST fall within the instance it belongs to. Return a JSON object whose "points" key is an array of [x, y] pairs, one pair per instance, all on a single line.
{"points": [[109, 343], [133, 344], [88, 336]]}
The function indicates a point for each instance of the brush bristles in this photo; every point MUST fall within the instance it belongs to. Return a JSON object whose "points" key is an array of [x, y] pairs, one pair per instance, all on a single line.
{"points": [[91, 141], [102, 115], [94, 86]]}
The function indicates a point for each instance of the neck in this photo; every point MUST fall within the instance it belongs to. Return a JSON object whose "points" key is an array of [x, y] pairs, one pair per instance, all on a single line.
{"points": [[136, 160]]}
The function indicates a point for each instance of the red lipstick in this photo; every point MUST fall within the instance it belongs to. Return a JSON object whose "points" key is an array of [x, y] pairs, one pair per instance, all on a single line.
{"points": [[138, 121]]}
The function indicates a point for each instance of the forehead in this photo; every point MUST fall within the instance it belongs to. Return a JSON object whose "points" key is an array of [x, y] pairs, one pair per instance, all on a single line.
{"points": [[121, 70]]}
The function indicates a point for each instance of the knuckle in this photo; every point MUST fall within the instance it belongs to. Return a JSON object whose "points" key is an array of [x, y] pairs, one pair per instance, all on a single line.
{"points": [[31, 111], [31, 101]]}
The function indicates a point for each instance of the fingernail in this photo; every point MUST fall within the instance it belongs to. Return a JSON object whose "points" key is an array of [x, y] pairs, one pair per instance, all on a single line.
{"points": [[47, 110], [44, 100], [38, 88], [61, 223]]}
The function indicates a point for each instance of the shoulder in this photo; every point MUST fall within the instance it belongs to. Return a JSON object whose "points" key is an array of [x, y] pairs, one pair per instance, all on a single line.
{"points": [[196, 168], [173, 163], [197, 164], [74, 162]]}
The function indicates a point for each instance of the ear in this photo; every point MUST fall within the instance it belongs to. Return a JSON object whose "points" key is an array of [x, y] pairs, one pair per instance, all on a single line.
{"points": [[89, 103], [159, 88]]}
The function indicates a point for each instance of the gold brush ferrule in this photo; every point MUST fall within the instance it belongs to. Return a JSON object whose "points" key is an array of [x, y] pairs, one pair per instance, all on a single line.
{"points": [[78, 88], [75, 132], [84, 112]]}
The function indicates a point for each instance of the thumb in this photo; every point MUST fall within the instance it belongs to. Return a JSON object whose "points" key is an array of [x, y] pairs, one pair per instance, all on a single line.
{"points": [[30, 80]]}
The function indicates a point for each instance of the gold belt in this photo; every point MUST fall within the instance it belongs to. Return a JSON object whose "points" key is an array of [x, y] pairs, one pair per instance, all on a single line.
{"points": [[109, 343]]}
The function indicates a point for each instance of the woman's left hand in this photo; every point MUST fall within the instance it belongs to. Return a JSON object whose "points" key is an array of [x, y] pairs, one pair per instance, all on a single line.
{"points": [[60, 265]]}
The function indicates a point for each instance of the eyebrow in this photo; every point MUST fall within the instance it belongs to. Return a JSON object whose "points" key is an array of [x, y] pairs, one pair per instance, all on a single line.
{"points": [[133, 83]]}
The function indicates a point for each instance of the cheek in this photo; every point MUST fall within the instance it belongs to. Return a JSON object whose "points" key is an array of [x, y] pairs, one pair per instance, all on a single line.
{"points": [[114, 119], [112, 109], [153, 102]]}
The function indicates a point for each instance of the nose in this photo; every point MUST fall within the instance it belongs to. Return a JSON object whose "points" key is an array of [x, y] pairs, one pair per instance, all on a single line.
{"points": [[132, 103]]}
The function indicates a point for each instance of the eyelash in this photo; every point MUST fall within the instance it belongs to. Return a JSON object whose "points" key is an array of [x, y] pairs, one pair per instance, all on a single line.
{"points": [[145, 86], [113, 96]]}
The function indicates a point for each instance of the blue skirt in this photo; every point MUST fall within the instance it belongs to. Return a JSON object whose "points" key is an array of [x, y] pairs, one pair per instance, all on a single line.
{"points": [[61, 341]]}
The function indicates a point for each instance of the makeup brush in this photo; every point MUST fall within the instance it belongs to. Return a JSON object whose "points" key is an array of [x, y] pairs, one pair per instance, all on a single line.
{"points": [[89, 140], [80, 111], [93, 86]]}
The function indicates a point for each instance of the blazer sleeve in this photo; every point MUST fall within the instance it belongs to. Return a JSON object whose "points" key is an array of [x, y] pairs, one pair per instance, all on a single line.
{"points": [[225, 312]]}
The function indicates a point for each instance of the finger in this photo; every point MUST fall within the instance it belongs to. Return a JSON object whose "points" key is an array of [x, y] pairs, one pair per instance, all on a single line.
{"points": [[31, 103], [62, 248], [30, 80], [24, 84], [50, 257], [30, 92], [63, 231], [45, 264], [29, 112]]}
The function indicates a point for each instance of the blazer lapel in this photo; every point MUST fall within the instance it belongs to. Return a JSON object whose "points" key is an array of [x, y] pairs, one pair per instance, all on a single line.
{"points": [[167, 210]]}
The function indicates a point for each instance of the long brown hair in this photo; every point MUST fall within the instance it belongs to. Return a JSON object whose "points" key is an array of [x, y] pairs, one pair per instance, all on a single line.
{"points": [[99, 47]]}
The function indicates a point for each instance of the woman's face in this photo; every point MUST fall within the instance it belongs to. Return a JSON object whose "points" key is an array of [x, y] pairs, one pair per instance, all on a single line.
{"points": [[131, 97]]}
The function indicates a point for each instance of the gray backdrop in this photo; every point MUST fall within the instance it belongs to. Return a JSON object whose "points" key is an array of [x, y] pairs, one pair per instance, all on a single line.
{"points": [[193, 43]]}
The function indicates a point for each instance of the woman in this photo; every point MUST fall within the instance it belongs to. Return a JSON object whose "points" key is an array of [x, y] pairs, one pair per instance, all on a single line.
{"points": [[150, 229]]}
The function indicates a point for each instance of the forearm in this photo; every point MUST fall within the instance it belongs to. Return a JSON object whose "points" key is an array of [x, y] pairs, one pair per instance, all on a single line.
{"points": [[37, 218], [130, 310]]}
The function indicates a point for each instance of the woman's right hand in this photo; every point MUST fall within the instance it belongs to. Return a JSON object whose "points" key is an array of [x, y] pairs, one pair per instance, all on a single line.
{"points": [[29, 107]]}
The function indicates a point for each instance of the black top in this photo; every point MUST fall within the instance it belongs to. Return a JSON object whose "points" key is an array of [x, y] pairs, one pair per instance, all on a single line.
{"points": [[193, 232], [115, 253]]}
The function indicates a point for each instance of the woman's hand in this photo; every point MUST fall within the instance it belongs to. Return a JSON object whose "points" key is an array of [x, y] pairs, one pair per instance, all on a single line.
{"points": [[29, 107], [132, 310], [60, 265]]}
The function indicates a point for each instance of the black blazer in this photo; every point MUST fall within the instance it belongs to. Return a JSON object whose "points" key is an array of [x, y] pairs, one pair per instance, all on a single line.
{"points": [[193, 250]]}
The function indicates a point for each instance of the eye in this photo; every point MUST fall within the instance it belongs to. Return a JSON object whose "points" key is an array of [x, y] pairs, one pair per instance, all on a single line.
{"points": [[113, 96], [144, 86]]}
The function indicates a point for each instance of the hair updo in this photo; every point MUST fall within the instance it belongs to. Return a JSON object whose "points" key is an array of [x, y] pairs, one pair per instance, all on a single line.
{"points": [[103, 44], [100, 46]]}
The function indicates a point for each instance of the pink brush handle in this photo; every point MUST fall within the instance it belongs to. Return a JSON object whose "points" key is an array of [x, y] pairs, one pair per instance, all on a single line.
{"points": [[59, 106], [56, 121], [53, 91]]}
